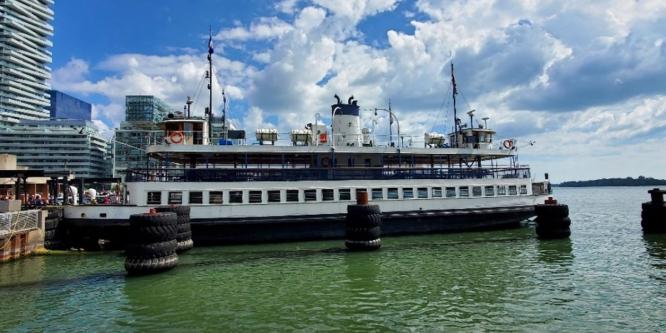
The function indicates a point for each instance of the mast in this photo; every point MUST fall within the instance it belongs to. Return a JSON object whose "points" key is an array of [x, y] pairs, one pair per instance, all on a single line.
{"points": [[455, 115], [210, 81], [224, 115]]}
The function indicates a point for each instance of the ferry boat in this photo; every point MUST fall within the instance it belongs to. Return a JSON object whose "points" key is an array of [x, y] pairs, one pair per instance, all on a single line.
{"points": [[266, 192]]}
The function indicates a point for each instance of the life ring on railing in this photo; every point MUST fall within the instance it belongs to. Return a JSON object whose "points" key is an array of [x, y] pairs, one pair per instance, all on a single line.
{"points": [[176, 137], [325, 162], [508, 144]]}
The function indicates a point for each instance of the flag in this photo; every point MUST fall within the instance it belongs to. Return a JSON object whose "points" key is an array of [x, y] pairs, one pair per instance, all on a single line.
{"points": [[224, 97], [210, 44]]}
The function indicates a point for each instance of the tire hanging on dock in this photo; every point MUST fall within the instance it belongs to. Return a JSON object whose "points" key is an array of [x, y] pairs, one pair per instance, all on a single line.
{"points": [[363, 225], [152, 243], [184, 232]]}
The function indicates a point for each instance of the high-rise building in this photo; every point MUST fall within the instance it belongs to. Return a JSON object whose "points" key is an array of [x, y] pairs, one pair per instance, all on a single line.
{"points": [[59, 145], [145, 108], [64, 106], [25, 32], [139, 130]]}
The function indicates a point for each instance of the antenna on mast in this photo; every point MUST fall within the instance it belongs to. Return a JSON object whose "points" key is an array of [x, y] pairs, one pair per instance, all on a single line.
{"points": [[209, 114]]}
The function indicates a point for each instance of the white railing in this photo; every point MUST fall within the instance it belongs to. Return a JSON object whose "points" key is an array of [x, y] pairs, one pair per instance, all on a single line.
{"points": [[16, 222]]}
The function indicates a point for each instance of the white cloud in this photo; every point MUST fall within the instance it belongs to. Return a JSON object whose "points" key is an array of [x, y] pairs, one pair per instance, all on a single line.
{"points": [[263, 28]]}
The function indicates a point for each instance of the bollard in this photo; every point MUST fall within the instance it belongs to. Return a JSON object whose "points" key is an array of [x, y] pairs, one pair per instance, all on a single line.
{"points": [[552, 220], [152, 243], [184, 232], [653, 213], [363, 225]]}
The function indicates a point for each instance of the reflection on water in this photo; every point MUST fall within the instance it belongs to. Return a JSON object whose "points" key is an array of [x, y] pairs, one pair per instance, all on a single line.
{"points": [[555, 251], [655, 245]]}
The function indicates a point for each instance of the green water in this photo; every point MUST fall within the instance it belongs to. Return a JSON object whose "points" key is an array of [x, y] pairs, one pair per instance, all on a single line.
{"points": [[607, 277]]}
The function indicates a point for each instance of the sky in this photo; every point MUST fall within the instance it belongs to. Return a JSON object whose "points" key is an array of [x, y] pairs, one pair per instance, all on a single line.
{"points": [[580, 85]]}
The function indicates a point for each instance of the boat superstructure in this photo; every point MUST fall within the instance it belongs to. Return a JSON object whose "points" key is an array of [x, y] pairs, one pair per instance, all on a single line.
{"points": [[242, 192]]}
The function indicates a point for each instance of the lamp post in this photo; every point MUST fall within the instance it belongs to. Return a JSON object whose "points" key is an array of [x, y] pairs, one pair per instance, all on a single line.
{"points": [[391, 117]]}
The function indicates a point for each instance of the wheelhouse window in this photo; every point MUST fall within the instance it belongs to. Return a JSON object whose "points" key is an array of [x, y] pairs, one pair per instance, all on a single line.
{"points": [[513, 190], [422, 192], [196, 198], [489, 191], [392, 193], [344, 194], [175, 198], [436, 192], [154, 198], [215, 197], [292, 195], [274, 196], [235, 196], [464, 191], [523, 189], [327, 194], [501, 190], [377, 194], [310, 195], [255, 196], [408, 193], [450, 192]]}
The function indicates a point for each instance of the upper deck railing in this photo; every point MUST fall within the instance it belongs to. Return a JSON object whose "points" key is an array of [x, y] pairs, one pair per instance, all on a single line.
{"points": [[278, 174]]}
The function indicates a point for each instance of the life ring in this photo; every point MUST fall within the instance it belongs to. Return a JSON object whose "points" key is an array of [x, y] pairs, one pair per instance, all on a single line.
{"points": [[508, 144], [176, 137], [325, 162]]}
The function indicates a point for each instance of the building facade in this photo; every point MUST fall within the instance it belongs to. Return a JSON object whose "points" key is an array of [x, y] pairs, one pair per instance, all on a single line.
{"points": [[25, 33], [139, 130], [64, 106], [74, 146]]}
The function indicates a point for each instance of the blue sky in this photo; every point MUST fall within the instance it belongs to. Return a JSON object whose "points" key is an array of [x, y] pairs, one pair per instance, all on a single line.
{"points": [[586, 81]]}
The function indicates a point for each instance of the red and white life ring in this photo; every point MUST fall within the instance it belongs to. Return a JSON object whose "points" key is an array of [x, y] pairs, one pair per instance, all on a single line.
{"points": [[508, 144], [176, 137]]}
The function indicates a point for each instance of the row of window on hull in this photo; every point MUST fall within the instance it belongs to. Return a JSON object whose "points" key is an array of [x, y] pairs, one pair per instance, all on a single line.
{"points": [[325, 195]]}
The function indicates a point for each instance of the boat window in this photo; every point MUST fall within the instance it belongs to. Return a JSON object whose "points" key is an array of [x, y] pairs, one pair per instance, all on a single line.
{"points": [[476, 191], [235, 196], [392, 193], [377, 194], [523, 189], [255, 196], [292, 195], [274, 196], [501, 190], [436, 192], [489, 191], [196, 198], [408, 193], [310, 195], [154, 198], [345, 194], [450, 192], [422, 192], [464, 191], [513, 190], [327, 194], [175, 198], [215, 197]]}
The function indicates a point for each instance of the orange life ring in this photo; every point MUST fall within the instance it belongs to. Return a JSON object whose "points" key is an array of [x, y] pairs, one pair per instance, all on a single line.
{"points": [[176, 137], [323, 137], [508, 144]]}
